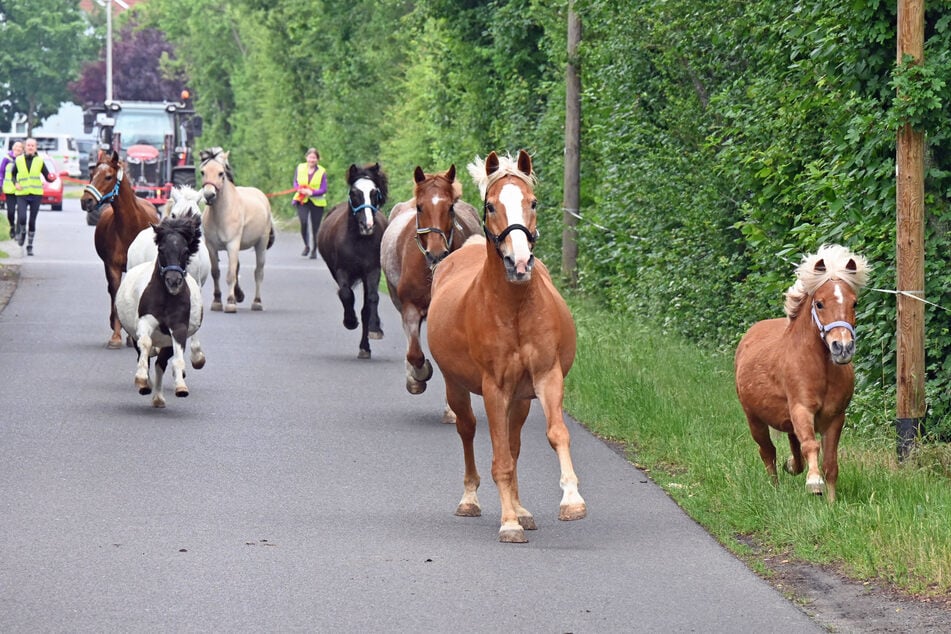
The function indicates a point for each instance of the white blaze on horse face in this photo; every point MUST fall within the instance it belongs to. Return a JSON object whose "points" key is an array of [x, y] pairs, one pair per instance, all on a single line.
{"points": [[436, 199], [511, 198], [366, 186], [838, 293]]}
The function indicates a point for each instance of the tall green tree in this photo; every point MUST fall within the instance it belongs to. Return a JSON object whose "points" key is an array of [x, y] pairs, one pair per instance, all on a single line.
{"points": [[42, 44]]}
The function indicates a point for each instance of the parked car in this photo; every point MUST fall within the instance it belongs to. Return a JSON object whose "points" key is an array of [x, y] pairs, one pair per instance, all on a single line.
{"points": [[52, 190], [87, 155]]}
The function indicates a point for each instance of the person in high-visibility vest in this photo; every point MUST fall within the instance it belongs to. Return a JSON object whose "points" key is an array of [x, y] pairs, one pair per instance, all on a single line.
{"points": [[9, 187], [310, 185], [28, 171]]}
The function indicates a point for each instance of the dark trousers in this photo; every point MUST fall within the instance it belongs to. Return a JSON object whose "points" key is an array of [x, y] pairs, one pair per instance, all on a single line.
{"points": [[12, 209], [31, 202], [315, 214]]}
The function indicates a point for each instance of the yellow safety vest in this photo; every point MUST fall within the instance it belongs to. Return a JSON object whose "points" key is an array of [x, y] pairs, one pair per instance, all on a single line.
{"points": [[30, 180], [313, 183], [9, 187]]}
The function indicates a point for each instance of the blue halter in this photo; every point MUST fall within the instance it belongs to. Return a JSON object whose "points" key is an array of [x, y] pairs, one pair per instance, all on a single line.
{"points": [[824, 330], [171, 267], [355, 210], [100, 198]]}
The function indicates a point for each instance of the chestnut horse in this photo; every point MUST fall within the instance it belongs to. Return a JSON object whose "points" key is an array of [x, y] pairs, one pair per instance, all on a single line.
{"points": [[123, 215], [349, 243], [236, 218], [795, 373], [499, 328], [421, 233]]}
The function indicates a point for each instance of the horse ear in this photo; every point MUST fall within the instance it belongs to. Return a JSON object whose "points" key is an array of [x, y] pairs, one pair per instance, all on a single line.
{"points": [[525, 162], [115, 157], [491, 163], [851, 265], [418, 174], [352, 173], [820, 266], [451, 174]]}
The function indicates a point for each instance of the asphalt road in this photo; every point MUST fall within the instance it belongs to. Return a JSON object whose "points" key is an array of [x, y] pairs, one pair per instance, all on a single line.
{"points": [[301, 489]]}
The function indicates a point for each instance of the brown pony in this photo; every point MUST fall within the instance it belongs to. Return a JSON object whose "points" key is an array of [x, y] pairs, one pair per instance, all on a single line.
{"points": [[499, 328], [795, 374], [421, 233], [123, 216]]}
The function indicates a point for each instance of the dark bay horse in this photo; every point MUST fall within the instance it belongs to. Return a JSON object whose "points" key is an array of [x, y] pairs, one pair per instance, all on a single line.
{"points": [[499, 328], [421, 233], [795, 373], [349, 243], [123, 215], [160, 306]]}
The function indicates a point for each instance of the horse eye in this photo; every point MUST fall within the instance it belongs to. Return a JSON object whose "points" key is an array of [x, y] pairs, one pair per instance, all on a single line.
{"points": [[855, 305], [490, 208], [534, 204], [819, 305]]}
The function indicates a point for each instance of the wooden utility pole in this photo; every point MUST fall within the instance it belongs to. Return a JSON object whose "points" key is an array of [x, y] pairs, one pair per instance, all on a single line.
{"points": [[572, 196], [910, 188]]}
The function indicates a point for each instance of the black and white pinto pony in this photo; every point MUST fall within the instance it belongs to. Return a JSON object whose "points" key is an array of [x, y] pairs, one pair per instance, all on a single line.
{"points": [[349, 242], [159, 305]]}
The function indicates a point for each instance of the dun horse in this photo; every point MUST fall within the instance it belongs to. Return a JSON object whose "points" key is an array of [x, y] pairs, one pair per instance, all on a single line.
{"points": [[349, 243], [499, 328], [236, 218], [159, 305], [123, 215], [421, 233], [795, 374]]}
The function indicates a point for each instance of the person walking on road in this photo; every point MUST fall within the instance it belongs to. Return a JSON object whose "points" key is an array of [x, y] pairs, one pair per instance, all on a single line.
{"points": [[9, 187], [310, 184], [28, 170]]}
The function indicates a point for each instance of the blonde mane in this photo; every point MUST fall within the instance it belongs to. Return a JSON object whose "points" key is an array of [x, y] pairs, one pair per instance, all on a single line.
{"points": [[836, 259], [507, 167]]}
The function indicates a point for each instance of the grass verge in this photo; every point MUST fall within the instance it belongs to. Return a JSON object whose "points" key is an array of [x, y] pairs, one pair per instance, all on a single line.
{"points": [[675, 408]]}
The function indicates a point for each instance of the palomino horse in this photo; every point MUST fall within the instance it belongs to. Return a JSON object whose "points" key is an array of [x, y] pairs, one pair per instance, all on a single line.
{"points": [[421, 233], [160, 306], [349, 242], [499, 328], [236, 218], [795, 374], [123, 217]]}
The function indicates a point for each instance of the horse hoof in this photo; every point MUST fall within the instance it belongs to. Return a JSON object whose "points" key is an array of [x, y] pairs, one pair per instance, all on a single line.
{"points": [[789, 467], [363, 354], [198, 362], [423, 372], [216, 306], [181, 392], [469, 510], [114, 344], [350, 324], [816, 486], [375, 334], [238, 294], [158, 402], [415, 387], [448, 416], [571, 512], [231, 308], [257, 305], [527, 522], [143, 385], [512, 535]]}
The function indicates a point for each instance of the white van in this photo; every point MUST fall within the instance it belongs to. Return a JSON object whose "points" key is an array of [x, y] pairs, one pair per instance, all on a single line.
{"points": [[62, 147]]}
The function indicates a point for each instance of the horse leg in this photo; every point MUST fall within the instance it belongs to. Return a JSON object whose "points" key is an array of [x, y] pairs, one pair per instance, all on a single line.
{"points": [[550, 388], [518, 412], [793, 465], [179, 334], [196, 353], [465, 426], [113, 279], [161, 363], [232, 279], [803, 421], [830, 455], [143, 337], [238, 293], [371, 304], [215, 273], [767, 450], [260, 253], [503, 463], [345, 293], [418, 368]]}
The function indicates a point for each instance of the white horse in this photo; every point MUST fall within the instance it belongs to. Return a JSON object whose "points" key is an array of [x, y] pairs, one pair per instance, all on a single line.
{"points": [[182, 201], [159, 306], [235, 219]]}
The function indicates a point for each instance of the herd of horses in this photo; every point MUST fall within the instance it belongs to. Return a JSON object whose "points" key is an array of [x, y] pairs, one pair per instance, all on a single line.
{"points": [[497, 326]]}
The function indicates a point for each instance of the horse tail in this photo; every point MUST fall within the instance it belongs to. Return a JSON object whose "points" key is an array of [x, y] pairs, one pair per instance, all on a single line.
{"points": [[270, 237]]}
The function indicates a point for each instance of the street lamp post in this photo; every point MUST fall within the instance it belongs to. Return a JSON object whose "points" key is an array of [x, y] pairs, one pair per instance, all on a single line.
{"points": [[108, 5]]}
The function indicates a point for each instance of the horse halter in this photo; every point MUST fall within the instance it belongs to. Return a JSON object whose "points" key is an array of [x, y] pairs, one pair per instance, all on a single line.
{"points": [[357, 209], [825, 329], [432, 260], [498, 239], [102, 199]]}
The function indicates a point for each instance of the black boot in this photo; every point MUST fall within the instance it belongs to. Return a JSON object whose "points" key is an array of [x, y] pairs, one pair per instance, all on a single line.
{"points": [[313, 253], [29, 244], [21, 234]]}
